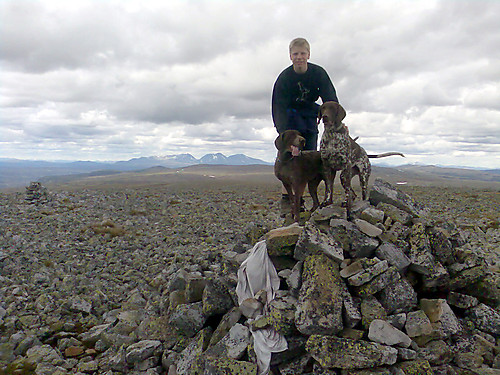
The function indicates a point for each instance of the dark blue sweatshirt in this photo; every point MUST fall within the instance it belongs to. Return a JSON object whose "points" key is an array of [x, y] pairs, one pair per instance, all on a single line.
{"points": [[294, 96]]}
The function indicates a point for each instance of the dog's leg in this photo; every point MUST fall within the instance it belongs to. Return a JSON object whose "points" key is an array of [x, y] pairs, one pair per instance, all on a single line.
{"points": [[298, 193], [363, 182], [329, 178], [345, 180], [313, 191], [289, 191]]}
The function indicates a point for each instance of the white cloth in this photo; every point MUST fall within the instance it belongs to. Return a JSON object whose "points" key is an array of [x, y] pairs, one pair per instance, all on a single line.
{"points": [[257, 273]]}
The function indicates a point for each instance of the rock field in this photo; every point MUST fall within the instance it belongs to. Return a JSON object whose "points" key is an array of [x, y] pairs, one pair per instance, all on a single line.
{"points": [[142, 281]]}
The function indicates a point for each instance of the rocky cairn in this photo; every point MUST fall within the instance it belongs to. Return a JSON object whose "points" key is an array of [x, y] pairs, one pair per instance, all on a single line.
{"points": [[391, 292], [36, 193]]}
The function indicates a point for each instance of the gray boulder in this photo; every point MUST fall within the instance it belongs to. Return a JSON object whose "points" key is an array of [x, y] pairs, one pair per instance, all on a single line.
{"points": [[485, 318], [355, 242], [383, 191], [384, 333], [319, 306], [335, 352], [312, 241], [398, 296], [394, 255], [188, 319], [216, 298], [233, 345]]}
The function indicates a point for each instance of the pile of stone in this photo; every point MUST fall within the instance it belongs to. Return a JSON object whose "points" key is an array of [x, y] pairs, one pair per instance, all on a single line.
{"points": [[388, 293], [36, 193]]}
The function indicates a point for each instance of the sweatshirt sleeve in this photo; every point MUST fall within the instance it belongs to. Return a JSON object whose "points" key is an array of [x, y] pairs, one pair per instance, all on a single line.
{"points": [[326, 90], [278, 106]]}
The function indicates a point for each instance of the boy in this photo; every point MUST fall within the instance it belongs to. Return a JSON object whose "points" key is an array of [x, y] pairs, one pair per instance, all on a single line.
{"points": [[295, 93]]}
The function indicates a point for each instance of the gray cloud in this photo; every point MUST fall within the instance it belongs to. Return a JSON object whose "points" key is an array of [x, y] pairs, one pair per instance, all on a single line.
{"points": [[114, 80]]}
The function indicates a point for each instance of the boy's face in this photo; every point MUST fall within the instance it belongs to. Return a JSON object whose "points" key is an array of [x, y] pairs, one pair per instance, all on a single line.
{"points": [[299, 57]]}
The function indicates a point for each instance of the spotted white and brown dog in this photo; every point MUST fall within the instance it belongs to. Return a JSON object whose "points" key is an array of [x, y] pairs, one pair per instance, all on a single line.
{"points": [[339, 152]]}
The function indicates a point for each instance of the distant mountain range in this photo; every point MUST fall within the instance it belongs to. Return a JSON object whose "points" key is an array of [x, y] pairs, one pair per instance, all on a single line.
{"points": [[15, 172]]}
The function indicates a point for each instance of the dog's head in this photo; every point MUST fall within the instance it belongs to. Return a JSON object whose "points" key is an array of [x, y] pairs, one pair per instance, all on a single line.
{"points": [[291, 142], [332, 114]]}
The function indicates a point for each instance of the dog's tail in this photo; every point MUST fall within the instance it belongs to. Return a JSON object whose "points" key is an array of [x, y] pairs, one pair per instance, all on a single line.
{"points": [[392, 153]]}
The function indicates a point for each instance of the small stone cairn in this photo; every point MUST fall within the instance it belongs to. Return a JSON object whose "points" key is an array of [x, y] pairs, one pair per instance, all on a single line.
{"points": [[36, 193], [387, 293]]}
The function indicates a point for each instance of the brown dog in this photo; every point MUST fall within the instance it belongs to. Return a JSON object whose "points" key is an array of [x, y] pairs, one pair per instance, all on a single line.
{"points": [[296, 169], [340, 152]]}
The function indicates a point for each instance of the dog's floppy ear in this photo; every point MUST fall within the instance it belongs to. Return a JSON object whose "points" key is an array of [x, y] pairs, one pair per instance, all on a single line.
{"points": [[340, 114], [278, 142], [320, 113]]}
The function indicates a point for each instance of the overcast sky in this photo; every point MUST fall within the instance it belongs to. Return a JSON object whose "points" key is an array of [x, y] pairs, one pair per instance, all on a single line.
{"points": [[114, 80]]}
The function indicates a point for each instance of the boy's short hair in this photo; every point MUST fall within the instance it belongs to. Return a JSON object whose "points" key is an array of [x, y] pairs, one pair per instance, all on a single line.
{"points": [[299, 42]]}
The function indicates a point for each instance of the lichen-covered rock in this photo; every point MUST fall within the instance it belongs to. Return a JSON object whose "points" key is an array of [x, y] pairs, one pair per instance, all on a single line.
{"points": [[368, 273], [383, 191], [194, 288], [88, 367], [372, 371], [441, 315], [371, 309], [351, 312], [396, 233], [296, 366], [398, 296], [487, 290], [395, 213], [397, 320], [281, 241], [394, 255], [192, 351], [44, 354], [157, 328], [90, 337], [462, 301], [293, 277], [421, 258], [372, 215], [468, 361], [355, 242], [227, 322], [384, 333], [441, 245], [227, 366], [282, 314], [335, 352], [380, 282], [415, 367], [233, 345], [437, 352], [216, 298], [368, 228], [435, 275], [485, 318], [188, 319], [467, 277], [352, 267], [142, 350], [312, 241], [418, 324], [319, 307], [90, 293]]}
